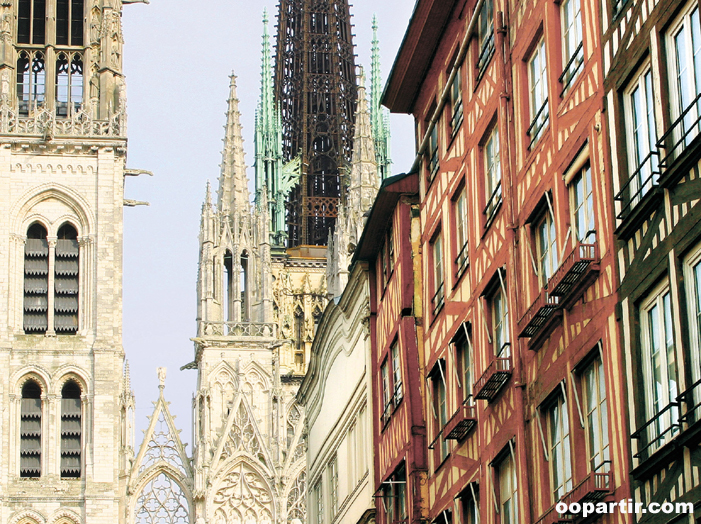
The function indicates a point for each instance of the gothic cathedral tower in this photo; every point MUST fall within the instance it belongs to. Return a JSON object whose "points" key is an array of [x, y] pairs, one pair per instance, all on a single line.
{"points": [[65, 402]]}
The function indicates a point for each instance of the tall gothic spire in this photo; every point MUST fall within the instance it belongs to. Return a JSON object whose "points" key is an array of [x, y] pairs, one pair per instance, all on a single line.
{"points": [[268, 144], [233, 195], [380, 121]]}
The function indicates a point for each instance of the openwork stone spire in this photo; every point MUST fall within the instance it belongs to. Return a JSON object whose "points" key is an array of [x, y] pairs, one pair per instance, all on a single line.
{"points": [[380, 118], [268, 143], [233, 182]]}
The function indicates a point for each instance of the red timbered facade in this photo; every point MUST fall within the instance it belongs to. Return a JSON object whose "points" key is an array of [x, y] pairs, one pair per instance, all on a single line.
{"points": [[391, 245], [522, 364], [652, 57]]}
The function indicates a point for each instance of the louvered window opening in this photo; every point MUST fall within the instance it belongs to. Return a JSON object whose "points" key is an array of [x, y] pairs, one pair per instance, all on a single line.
{"points": [[70, 431], [30, 430], [66, 266], [36, 280]]}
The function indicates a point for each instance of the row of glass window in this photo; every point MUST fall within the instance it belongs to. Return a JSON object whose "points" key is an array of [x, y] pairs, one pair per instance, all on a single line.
{"points": [[31, 83]]}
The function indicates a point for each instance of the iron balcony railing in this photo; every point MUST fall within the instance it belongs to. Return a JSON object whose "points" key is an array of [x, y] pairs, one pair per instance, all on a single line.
{"points": [[462, 422], [690, 404], [540, 120], [573, 269], [643, 180], [239, 329], [493, 203], [680, 133], [594, 487], [438, 299], [486, 53], [538, 315], [462, 261], [657, 431], [573, 66], [493, 379], [551, 516]]}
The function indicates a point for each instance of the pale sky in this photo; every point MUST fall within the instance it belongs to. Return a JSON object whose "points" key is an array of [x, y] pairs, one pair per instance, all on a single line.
{"points": [[178, 55]]}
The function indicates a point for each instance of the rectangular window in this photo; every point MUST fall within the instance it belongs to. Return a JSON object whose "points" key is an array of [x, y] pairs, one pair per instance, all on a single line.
{"points": [[394, 497], [660, 368], [438, 298], [460, 212], [386, 394], [492, 174], [692, 278], [581, 190], [643, 159], [538, 88], [353, 474], [572, 46], [31, 22], [433, 162], [390, 249], [396, 373], [486, 37], [684, 43], [333, 485], [559, 448], [440, 407], [456, 102], [546, 248], [69, 22], [319, 498], [596, 416], [470, 507], [464, 363], [508, 491], [500, 325]]}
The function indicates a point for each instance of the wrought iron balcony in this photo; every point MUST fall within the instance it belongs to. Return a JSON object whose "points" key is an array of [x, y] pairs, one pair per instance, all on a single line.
{"points": [[538, 315], [573, 273], [680, 134], [462, 422], [553, 517], [540, 120], [239, 329], [493, 379], [641, 182], [438, 299], [657, 431], [574, 65], [462, 261], [594, 487]]}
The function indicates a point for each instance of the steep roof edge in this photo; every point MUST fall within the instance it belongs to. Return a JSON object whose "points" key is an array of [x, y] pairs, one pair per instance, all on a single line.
{"points": [[387, 197], [416, 53]]}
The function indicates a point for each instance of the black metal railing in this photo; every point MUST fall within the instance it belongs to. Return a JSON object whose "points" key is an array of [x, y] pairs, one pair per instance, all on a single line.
{"points": [[456, 119], [438, 299], [433, 165], [493, 203], [573, 66], [680, 133], [540, 120], [644, 179], [486, 53], [462, 261], [657, 431], [690, 404]]}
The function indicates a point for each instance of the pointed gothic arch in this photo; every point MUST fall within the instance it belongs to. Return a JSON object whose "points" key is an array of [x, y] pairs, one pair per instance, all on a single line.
{"points": [[242, 495], [161, 499], [27, 516]]}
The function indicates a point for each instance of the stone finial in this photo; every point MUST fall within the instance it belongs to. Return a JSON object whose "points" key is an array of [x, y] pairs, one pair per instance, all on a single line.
{"points": [[161, 378]]}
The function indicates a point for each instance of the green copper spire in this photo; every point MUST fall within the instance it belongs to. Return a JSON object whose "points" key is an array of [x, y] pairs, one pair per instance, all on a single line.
{"points": [[268, 143], [379, 118]]}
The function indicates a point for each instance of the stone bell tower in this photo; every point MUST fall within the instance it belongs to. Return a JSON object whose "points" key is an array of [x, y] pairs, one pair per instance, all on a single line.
{"points": [[65, 402]]}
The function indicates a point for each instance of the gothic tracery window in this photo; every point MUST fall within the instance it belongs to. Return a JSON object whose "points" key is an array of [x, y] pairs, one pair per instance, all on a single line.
{"points": [[297, 499], [162, 501], [69, 84], [31, 81], [243, 497], [30, 430], [162, 446]]}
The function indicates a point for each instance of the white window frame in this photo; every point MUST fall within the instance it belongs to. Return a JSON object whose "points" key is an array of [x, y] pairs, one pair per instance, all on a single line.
{"points": [[572, 40], [692, 279], [546, 247], [559, 447], [508, 490], [500, 324], [460, 210], [492, 172], [538, 91], [596, 416], [583, 177]]}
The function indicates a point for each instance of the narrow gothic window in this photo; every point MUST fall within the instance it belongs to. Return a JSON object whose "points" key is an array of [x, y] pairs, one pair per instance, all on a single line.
{"points": [[31, 22], [69, 22], [31, 81], [229, 286], [245, 302], [69, 84], [70, 430], [36, 280], [66, 273], [30, 430]]}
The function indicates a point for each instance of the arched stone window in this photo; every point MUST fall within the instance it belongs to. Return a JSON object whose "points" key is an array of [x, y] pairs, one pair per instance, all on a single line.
{"points": [[69, 84], [30, 430], [71, 430], [36, 280], [31, 81], [66, 280], [228, 298]]}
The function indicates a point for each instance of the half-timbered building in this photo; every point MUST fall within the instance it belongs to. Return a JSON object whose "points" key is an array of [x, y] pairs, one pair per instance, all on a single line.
{"points": [[652, 71], [521, 346]]}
